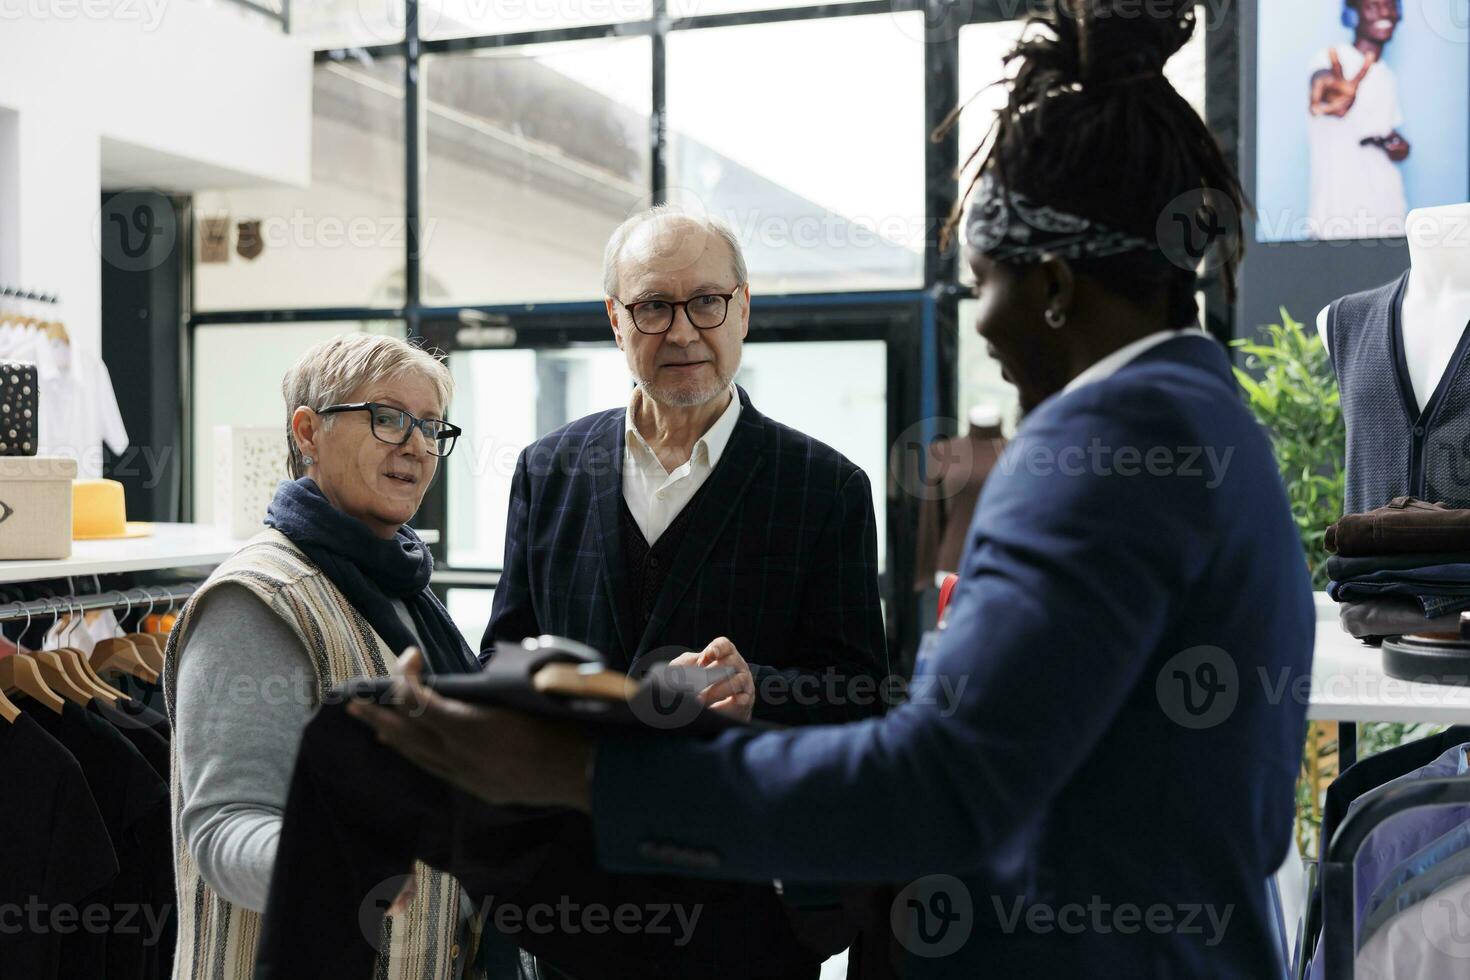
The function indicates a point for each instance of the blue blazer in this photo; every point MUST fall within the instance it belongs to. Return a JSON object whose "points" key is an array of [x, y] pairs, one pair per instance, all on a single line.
{"points": [[781, 556], [1095, 774]]}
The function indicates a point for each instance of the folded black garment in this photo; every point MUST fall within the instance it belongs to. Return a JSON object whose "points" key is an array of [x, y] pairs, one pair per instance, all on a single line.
{"points": [[358, 816], [560, 678], [1343, 567]]}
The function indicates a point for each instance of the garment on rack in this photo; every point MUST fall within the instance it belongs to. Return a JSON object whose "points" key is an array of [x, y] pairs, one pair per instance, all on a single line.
{"points": [[133, 801], [140, 726], [57, 856], [78, 411], [1439, 589], [1427, 942], [1402, 526], [1403, 836], [1419, 888]]}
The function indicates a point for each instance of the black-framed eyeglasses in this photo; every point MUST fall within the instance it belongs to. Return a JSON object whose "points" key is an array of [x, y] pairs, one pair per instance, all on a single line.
{"points": [[704, 311], [395, 426]]}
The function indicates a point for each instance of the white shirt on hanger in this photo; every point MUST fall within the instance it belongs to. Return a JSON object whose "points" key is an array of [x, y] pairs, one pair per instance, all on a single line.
{"points": [[78, 411], [655, 496]]}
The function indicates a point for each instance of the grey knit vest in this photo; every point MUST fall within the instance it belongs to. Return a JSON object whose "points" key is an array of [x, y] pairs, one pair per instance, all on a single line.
{"points": [[1394, 447]]}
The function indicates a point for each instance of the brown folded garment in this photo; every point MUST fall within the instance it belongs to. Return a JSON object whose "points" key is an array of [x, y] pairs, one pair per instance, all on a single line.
{"points": [[1403, 526]]}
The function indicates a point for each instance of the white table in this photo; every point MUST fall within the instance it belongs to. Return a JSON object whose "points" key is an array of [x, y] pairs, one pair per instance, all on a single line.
{"points": [[1350, 686], [169, 546]]}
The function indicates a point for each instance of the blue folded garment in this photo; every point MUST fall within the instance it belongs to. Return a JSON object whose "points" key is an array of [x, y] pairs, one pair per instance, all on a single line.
{"points": [[1439, 589]]}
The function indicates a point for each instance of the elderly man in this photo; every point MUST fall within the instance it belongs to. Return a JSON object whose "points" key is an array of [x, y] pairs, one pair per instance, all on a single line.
{"points": [[690, 527], [689, 522]]}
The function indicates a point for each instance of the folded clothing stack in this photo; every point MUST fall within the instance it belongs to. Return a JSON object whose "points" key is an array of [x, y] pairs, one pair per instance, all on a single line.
{"points": [[1402, 568]]}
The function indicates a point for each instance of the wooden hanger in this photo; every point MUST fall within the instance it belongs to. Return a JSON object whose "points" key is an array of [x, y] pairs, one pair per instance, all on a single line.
{"points": [[120, 655], [8, 710], [150, 645], [54, 672], [18, 673], [75, 661]]}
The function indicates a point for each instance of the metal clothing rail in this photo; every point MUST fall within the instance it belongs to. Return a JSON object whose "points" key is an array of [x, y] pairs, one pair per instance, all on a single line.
{"points": [[138, 598]]}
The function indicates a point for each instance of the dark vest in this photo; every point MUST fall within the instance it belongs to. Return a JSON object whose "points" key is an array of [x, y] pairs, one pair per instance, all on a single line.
{"points": [[1395, 448], [648, 568]]}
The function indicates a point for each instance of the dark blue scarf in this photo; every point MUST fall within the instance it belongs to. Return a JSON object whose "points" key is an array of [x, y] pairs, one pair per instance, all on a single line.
{"points": [[370, 571]]}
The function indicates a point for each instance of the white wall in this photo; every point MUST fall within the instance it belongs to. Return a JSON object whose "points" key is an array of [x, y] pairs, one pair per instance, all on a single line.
{"points": [[196, 93]]}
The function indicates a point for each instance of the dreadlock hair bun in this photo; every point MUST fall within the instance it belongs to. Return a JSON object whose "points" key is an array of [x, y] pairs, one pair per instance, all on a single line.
{"points": [[1093, 127], [1112, 41]]}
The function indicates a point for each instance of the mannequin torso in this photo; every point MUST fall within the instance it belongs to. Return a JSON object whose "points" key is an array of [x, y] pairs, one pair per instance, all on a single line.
{"points": [[1437, 297]]}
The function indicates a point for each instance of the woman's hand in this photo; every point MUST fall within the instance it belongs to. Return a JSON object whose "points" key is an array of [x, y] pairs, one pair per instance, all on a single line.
{"points": [[500, 756]]}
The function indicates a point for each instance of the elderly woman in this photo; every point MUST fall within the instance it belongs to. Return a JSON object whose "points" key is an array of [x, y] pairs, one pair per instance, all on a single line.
{"points": [[334, 588]]}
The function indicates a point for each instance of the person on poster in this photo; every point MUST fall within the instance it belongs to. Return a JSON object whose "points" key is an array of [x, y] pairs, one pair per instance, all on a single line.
{"points": [[1357, 188]]}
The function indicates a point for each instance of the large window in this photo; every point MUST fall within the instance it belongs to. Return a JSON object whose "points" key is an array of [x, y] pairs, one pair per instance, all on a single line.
{"points": [[816, 159], [534, 155], [470, 158], [339, 242]]}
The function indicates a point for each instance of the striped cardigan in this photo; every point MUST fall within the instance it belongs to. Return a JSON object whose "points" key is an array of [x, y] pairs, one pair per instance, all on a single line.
{"points": [[216, 939]]}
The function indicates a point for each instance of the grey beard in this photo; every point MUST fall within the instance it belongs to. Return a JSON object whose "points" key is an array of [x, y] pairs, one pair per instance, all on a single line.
{"points": [[683, 399]]}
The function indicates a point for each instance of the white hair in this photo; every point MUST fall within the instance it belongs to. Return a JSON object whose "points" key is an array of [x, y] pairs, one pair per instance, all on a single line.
{"points": [[331, 371], [612, 255]]}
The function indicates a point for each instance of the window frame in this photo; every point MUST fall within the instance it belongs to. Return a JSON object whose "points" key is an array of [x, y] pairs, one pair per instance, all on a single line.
{"points": [[920, 326]]}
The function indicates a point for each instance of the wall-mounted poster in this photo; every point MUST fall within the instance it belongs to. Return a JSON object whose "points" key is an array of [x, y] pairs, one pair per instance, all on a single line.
{"points": [[1363, 114]]}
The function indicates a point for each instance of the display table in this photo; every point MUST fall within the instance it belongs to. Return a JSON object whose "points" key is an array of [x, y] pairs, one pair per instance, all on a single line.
{"points": [[1349, 686], [169, 546]]}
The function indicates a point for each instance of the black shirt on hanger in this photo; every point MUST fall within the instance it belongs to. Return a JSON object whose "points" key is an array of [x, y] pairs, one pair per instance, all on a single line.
{"points": [[139, 725], [134, 803], [57, 853]]}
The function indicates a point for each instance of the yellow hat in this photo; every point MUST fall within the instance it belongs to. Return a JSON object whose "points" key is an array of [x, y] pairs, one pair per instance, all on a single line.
{"points": [[99, 511]]}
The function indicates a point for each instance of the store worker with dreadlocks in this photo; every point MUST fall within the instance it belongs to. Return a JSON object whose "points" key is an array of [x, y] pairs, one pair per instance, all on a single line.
{"points": [[1093, 776]]}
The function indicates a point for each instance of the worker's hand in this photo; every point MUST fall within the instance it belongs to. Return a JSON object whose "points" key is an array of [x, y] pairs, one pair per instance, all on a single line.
{"points": [[497, 755], [1334, 94], [734, 693]]}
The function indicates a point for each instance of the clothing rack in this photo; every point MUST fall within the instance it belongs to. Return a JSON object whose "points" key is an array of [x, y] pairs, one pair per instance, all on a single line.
{"points": [[1374, 808], [138, 598]]}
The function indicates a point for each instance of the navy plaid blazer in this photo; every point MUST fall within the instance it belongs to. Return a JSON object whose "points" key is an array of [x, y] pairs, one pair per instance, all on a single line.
{"points": [[780, 555]]}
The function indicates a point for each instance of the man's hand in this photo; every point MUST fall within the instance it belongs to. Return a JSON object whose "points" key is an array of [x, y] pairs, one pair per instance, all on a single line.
{"points": [[733, 695], [1333, 94], [499, 756]]}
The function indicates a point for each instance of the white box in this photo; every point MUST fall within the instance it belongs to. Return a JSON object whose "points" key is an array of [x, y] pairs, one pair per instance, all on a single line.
{"points": [[249, 462], [35, 506]]}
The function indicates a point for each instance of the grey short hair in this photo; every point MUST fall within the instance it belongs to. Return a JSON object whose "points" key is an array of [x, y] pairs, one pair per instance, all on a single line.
{"points": [[331, 371], [614, 251]]}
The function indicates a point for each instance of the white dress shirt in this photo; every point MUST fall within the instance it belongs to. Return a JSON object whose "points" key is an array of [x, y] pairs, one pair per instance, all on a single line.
{"points": [[1108, 366], [655, 496]]}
